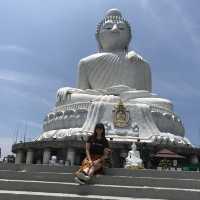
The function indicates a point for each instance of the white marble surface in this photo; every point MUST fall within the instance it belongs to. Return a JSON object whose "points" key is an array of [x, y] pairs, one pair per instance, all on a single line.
{"points": [[103, 70], [105, 78], [133, 159]]}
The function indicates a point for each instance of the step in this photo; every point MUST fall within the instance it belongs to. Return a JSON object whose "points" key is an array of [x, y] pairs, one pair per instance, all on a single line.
{"points": [[37, 167], [23, 195], [37, 179], [153, 173], [103, 179], [109, 171], [101, 189]]}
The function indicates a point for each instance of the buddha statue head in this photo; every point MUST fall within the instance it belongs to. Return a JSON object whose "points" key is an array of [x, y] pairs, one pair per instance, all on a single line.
{"points": [[113, 32]]}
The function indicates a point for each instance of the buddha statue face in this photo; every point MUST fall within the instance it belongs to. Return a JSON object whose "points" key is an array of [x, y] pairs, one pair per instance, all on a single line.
{"points": [[113, 33]]}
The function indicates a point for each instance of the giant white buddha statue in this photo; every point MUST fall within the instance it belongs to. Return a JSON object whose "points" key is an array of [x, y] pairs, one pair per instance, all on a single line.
{"points": [[114, 87]]}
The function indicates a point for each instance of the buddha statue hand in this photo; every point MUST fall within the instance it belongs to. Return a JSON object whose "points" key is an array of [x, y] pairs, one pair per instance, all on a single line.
{"points": [[134, 57]]}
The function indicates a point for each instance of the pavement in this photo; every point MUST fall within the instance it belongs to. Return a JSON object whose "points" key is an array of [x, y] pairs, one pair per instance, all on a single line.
{"points": [[43, 182]]}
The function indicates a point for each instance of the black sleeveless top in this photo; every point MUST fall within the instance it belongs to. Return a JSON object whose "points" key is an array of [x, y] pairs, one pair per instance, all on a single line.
{"points": [[97, 146]]}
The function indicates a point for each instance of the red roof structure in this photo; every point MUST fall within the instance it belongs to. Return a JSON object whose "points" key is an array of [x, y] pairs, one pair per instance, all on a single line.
{"points": [[165, 153]]}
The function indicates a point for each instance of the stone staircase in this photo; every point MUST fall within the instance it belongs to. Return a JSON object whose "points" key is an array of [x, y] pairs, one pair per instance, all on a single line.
{"points": [[43, 182]]}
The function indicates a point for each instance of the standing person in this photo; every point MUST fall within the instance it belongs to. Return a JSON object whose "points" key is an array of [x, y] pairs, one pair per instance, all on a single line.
{"points": [[97, 150]]}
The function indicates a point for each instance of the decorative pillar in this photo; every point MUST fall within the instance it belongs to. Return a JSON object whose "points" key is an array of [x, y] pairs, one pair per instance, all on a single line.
{"points": [[77, 159], [70, 156], [19, 157], [29, 156], [115, 158], [194, 159], [46, 156], [123, 154]]}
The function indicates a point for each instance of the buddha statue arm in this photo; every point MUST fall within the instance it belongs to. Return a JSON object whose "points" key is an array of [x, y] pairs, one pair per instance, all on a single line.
{"points": [[82, 82], [147, 77], [146, 72]]}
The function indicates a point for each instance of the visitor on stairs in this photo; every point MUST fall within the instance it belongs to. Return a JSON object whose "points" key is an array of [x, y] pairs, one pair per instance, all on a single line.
{"points": [[97, 150]]}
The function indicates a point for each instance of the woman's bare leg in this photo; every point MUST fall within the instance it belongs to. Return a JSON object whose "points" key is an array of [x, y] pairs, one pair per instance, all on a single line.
{"points": [[94, 169], [98, 166], [86, 170]]}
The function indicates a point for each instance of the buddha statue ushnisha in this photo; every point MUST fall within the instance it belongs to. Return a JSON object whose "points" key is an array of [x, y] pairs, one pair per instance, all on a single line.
{"points": [[106, 78], [113, 64]]}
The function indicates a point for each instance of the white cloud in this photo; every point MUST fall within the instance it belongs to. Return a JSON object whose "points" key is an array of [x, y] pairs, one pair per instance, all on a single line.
{"points": [[144, 3], [189, 25], [6, 145], [31, 123], [14, 76], [20, 77], [26, 78], [183, 20], [15, 48], [28, 129], [29, 96], [179, 89]]}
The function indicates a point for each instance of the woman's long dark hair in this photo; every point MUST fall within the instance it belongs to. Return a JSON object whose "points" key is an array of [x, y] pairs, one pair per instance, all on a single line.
{"points": [[101, 126]]}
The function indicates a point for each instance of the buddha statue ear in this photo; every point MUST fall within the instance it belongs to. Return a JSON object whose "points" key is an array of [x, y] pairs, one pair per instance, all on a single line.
{"points": [[100, 48], [126, 49]]}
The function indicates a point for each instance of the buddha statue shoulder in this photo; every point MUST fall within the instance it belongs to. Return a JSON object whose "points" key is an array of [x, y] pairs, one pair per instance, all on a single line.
{"points": [[113, 64]]}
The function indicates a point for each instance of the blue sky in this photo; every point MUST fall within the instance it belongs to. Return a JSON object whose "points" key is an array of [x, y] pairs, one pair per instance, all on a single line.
{"points": [[41, 43]]}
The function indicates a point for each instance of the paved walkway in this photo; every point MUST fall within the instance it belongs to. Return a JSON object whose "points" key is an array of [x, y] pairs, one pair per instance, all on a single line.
{"points": [[43, 183]]}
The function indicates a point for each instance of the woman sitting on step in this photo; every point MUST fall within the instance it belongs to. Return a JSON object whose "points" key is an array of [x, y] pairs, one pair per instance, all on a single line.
{"points": [[97, 150]]}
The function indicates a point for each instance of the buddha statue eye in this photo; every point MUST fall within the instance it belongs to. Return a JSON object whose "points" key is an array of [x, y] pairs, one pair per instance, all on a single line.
{"points": [[121, 26], [108, 26]]}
